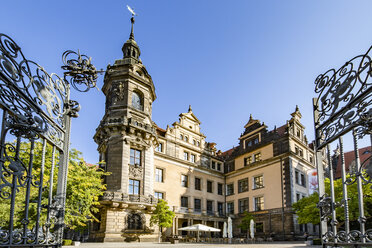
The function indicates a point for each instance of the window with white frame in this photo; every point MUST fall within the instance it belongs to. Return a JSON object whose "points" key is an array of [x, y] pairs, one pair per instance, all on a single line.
{"points": [[159, 195], [259, 203], [258, 182], [186, 156], [134, 186], [159, 175], [184, 181], [160, 147], [192, 158]]}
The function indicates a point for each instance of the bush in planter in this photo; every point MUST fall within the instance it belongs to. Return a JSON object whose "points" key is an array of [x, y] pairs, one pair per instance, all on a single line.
{"points": [[67, 242], [317, 242]]}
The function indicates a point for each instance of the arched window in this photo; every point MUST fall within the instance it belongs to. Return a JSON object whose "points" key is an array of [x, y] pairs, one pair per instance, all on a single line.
{"points": [[134, 222], [137, 101]]}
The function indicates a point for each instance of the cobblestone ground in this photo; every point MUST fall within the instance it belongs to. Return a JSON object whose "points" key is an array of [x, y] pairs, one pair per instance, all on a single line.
{"points": [[167, 245]]}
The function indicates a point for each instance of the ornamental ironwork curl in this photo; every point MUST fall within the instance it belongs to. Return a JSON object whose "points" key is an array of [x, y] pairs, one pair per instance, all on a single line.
{"points": [[82, 73], [364, 172], [36, 105], [344, 96], [36, 97], [325, 206]]}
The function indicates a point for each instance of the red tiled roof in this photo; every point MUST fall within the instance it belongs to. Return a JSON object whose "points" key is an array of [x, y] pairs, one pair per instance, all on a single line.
{"points": [[364, 154], [160, 131], [228, 152], [282, 129]]}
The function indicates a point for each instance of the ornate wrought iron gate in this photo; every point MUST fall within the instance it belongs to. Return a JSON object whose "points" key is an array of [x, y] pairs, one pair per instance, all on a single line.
{"points": [[37, 112], [343, 106]]}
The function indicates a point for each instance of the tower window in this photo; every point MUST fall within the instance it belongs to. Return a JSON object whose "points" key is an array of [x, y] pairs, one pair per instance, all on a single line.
{"points": [[135, 157], [134, 186], [137, 101]]}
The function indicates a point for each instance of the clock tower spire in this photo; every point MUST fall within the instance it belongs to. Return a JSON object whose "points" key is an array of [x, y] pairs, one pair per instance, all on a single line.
{"points": [[126, 139]]}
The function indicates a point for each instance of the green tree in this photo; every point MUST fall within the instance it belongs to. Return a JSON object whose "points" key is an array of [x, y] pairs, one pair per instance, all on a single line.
{"points": [[162, 216], [246, 222], [308, 212], [84, 187]]}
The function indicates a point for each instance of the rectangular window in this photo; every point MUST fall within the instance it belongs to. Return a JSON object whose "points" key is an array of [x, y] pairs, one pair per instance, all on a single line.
{"points": [[257, 157], [210, 186], [229, 166], [300, 178], [135, 157], [258, 203], [192, 158], [184, 201], [258, 182], [197, 183], [159, 195], [159, 148], [303, 180], [209, 207], [243, 185], [197, 205], [230, 189], [247, 160], [230, 207], [186, 156], [219, 166], [298, 197], [220, 188], [220, 208], [184, 181], [134, 186], [297, 177], [243, 205], [158, 175], [213, 165]]}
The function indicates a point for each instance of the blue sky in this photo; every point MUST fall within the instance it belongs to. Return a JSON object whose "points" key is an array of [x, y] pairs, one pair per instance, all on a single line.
{"points": [[228, 59]]}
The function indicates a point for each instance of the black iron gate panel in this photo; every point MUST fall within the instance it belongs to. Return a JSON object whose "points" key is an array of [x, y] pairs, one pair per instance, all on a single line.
{"points": [[36, 115], [343, 107]]}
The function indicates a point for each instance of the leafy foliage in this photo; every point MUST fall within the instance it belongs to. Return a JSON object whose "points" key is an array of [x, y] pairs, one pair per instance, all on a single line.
{"points": [[308, 212], [246, 221], [162, 215], [84, 187]]}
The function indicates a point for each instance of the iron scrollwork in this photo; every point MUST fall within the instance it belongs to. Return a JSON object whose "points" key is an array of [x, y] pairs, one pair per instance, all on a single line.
{"points": [[344, 98], [36, 105]]}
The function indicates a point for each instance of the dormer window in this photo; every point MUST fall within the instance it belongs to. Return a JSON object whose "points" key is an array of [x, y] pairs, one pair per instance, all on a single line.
{"points": [[186, 139], [137, 101], [298, 133]]}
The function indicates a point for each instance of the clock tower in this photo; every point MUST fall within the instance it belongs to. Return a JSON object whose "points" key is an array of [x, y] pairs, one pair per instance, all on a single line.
{"points": [[126, 138]]}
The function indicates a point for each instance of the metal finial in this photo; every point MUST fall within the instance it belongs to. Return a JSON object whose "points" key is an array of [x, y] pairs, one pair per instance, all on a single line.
{"points": [[132, 21], [131, 36]]}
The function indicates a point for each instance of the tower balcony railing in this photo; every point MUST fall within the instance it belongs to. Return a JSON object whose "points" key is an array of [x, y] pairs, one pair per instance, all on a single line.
{"points": [[123, 198]]}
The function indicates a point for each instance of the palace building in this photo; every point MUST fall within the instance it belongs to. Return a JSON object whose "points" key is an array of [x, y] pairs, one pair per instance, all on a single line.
{"points": [[264, 175]]}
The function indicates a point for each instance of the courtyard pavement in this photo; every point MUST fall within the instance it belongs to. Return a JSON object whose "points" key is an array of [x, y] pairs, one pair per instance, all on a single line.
{"points": [[194, 245]]}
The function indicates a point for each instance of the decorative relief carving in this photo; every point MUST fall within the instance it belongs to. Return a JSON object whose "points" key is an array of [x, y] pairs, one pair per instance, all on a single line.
{"points": [[135, 172]]}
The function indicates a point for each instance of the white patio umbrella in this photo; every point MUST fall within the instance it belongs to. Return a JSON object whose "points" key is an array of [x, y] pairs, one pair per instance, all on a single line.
{"points": [[224, 233], [251, 228], [229, 228], [199, 228]]}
